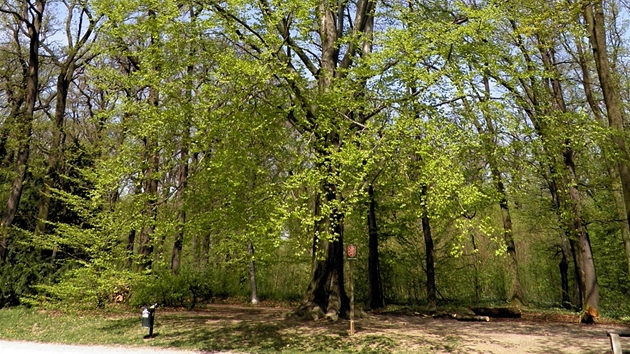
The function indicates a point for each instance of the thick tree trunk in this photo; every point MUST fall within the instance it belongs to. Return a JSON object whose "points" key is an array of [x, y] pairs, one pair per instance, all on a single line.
{"points": [[25, 124], [594, 16], [131, 241], [326, 295], [428, 244], [587, 276], [515, 292], [571, 212], [620, 179], [376, 298], [252, 272]]}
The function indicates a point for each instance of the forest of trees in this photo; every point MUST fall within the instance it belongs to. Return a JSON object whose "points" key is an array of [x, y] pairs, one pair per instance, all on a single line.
{"points": [[475, 151]]}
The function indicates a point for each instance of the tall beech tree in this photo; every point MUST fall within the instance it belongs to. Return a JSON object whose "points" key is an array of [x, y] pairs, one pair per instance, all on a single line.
{"points": [[341, 41], [593, 14], [541, 97], [29, 16], [77, 53]]}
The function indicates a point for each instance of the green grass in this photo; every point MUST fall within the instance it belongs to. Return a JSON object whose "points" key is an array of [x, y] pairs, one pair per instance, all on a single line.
{"points": [[241, 331]]}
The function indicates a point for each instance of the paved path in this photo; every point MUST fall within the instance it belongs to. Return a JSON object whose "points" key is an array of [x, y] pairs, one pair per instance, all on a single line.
{"points": [[47, 348]]}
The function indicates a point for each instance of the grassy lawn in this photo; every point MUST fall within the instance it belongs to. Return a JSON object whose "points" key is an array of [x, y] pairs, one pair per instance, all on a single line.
{"points": [[249, 329], [239, 329]]}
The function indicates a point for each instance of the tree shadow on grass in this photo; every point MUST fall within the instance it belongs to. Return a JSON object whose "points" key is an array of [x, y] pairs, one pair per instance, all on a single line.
{"points": [[265, 330], [254, 330], [264, 337]]}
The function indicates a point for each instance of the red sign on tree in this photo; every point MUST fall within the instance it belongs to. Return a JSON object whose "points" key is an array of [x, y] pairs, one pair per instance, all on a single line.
{"points": [[351, 251]]}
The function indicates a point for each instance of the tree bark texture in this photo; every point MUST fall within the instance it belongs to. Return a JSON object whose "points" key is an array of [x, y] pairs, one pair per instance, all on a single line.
{"points": [[576, 229], [594, 17], [376, 299], [429, 250], [252, 273], [613, 173], [326, 294]]}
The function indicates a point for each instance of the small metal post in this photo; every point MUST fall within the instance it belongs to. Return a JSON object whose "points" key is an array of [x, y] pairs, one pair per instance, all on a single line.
{"points": [[351, 298], [351, 251]]}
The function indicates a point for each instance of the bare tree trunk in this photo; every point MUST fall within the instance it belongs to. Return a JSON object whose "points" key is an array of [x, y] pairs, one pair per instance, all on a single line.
{"points": [[150, 190], [376, 299], [25, 120], [428, 244], [326, 295], [252, 272], [181, 212], [150, 182], [617, 185], [577, 232], [131, 241]]}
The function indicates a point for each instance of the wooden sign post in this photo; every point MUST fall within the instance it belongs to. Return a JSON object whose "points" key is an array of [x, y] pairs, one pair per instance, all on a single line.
{"points": [[351, 251]]}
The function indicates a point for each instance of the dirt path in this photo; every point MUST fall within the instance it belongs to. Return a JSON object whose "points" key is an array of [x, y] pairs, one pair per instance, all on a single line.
{"points": [[496, 337], [420, 334]]}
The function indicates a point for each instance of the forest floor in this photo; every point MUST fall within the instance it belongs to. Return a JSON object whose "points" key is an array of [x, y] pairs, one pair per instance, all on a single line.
{"points": [[232, 328]]}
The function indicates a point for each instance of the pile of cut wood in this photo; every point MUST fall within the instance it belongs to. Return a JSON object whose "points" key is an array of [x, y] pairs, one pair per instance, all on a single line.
{"points": [[484, 314]]}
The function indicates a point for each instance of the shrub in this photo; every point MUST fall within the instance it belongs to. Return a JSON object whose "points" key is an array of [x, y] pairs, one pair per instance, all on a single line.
{"points": [[183, 290]]}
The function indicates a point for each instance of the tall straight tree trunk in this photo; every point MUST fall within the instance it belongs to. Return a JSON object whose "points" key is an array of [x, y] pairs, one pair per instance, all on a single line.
{"points": [[376, 298], [429, 250], [594, 17], [24, 121], [252, 273], [617, 190], [150, 182], [326, 294], [181, 211], [150, 190], [587, 276], [64, 79], [183, 168], [565, 191]]}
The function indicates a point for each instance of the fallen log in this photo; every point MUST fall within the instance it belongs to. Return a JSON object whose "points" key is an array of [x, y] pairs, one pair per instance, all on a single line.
{"points": [[471, 318], [503, 312]]}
